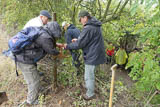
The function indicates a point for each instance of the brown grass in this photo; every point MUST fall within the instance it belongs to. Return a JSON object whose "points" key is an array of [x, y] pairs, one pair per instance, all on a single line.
{"points": [[9, 83]]}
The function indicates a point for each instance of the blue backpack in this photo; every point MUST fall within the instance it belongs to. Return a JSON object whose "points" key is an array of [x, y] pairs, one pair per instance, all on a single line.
{"points": [[22, 39]]}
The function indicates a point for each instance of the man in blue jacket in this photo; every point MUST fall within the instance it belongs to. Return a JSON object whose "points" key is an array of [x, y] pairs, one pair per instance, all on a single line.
{"points": [[71, 32], [92, 43]]}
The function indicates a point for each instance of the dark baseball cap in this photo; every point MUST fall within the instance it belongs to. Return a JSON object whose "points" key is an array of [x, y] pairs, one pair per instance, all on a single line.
{"points": [[83, 13], [45, 13]]}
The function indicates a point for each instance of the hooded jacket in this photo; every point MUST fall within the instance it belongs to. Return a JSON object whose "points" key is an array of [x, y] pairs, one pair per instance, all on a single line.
{"points": [[44, 44], [91, 42], [72, 32]]}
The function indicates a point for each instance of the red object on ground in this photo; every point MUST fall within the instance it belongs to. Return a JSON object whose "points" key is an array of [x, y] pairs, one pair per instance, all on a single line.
{"points": [[110, 52]]}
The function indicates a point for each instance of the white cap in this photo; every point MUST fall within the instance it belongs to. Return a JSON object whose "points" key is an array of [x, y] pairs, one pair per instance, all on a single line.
{"points": [[64, 23]]}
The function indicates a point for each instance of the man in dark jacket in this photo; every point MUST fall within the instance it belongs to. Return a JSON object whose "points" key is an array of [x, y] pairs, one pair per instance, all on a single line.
{"points": [[71, 32], [44, 44], [92, 44]]}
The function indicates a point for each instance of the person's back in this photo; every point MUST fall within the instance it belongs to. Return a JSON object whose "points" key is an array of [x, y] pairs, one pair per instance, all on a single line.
{"points": [[71, 33], [42, 45]]}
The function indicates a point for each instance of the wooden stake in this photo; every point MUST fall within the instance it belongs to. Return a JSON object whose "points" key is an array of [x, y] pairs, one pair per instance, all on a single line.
{"points": [[54, 16], [113, 68]]}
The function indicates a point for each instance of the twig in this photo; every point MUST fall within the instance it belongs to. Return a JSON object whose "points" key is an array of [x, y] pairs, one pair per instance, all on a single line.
{"points": [[151, 98], [101, 82], [149, 94]]}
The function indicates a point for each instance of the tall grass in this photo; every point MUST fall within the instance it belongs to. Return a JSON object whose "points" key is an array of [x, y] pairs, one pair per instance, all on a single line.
{"points": [[6, 64]]}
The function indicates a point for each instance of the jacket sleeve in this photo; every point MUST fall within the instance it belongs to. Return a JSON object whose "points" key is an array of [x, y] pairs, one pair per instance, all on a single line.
{"points": [[47, 43], [83, 40]]}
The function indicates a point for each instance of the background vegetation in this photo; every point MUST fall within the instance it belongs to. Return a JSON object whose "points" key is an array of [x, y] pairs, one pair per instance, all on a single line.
{"points": [[138, 17]]}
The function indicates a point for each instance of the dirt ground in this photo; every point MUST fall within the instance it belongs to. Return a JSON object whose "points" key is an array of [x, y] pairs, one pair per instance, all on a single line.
{"points": [[59, 97]]}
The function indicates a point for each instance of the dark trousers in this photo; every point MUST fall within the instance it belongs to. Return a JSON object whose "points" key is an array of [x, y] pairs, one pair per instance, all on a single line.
{"points": [[75, 58]]}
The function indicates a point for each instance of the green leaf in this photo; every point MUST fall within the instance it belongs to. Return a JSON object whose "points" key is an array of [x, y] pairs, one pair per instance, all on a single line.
{"points": [[158, 85], [134, 9]]}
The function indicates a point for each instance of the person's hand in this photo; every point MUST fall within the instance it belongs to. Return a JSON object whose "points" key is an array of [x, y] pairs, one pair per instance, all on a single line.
{"points": [[65, 46], [74, 40], [59, 45]]}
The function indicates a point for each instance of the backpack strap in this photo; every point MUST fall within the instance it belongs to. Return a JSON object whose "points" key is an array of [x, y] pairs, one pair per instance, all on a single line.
{"points": [[16, 65]]}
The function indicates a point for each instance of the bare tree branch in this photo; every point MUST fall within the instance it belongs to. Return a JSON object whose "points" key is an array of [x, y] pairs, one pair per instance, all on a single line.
{"points": [[108, 20], [74, 11], [115, 15], [100, 9], [107, 8], [117, 7], [121, 10]]}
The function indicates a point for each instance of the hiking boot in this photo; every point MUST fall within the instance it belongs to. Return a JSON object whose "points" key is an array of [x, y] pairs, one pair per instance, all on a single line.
{"points": [[85, 97]]}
